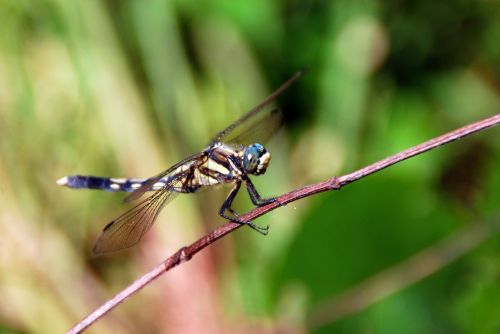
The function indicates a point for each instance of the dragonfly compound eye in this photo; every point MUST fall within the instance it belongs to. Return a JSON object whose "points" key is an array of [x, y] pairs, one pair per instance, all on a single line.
{"points": [[255, 159]]}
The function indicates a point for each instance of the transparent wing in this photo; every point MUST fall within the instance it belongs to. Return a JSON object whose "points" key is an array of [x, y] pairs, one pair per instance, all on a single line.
{"points": [[260, 130], [146, 186], [250, 120], [128, 229]]}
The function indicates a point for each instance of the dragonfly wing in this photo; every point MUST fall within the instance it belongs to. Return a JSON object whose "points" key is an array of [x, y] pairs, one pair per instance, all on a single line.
{"points": [[229, 135], [136, 194], [259, 131], [128, 229]]}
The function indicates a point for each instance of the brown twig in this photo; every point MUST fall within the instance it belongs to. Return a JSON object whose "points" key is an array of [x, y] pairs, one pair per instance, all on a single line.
{"points": [[334, 183]]}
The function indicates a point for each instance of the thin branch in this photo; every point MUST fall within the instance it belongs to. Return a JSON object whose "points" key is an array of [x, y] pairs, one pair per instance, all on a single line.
{"points": [[335, 183]]}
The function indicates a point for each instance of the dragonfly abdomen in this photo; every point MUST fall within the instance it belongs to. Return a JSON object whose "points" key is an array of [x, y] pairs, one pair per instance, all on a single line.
{"points": [[105, 183]]}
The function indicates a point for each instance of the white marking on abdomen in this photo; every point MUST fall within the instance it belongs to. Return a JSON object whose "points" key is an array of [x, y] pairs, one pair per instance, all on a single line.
{"points": [[158, 185], [62, 181], [119, 181], [135, 185]]}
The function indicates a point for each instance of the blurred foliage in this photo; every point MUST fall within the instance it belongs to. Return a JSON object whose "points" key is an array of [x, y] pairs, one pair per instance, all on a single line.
{"points": [[126, 88]]}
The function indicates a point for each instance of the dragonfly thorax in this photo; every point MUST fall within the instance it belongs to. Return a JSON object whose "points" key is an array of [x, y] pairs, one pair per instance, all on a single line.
{"points": [[255, 159]]}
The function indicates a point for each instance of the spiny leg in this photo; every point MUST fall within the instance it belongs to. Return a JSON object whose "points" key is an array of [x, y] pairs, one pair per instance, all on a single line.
{"points": [[227, 206], [257, 200]]}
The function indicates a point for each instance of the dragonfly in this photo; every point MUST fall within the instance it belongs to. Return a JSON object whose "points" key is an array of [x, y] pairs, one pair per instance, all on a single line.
{"points": [[231, 156]]}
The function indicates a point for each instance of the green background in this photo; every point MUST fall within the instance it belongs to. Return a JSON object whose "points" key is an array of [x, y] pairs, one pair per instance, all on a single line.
{"points": [[127, 88]]}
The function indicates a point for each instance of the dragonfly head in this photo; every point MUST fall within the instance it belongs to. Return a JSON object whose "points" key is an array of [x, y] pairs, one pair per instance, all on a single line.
{"points": [[255, 159]]}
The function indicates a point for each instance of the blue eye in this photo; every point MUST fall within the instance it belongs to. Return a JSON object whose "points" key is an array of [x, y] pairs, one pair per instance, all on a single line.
{"points": [[255, 159]]}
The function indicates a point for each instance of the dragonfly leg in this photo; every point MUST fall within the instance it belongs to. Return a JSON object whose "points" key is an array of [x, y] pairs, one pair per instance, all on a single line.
{"points": [[257, 200], [227, 206]]}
